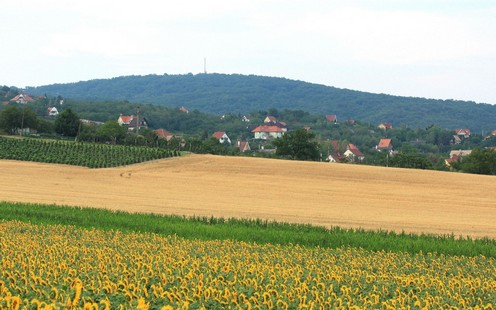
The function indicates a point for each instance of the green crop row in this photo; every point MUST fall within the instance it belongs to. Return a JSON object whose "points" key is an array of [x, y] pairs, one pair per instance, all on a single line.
{"points": [[90, 155], [259, 231]]}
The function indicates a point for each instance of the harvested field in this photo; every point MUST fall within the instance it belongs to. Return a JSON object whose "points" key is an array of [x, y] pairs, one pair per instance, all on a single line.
{"points": [[298, 192]]}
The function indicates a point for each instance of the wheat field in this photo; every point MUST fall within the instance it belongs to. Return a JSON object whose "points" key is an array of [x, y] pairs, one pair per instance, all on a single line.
{"points": [[290, 191]]}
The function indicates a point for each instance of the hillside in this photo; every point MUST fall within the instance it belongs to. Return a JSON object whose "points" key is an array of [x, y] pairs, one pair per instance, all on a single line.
{"points": [[288, 191], [221, 93]]}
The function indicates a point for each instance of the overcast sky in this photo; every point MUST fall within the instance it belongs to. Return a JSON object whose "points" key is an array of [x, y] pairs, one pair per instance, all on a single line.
{"points": [[422, 48]]}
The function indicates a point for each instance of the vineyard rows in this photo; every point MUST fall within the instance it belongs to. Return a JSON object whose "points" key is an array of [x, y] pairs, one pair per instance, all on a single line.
{"points": [[90, 155], [63, 267]]}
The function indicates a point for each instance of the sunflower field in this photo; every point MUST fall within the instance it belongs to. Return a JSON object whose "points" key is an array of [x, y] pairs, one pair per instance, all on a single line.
{"points": [[92, 155], [64, 267]]}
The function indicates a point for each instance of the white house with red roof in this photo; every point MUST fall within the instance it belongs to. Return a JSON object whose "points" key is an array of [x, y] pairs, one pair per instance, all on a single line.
{"points": [[384, 144], [456, 155], [267, 132], [222, 137], [52, 111], [125, 119], [22, 98], [463, 132], [353, 154]]}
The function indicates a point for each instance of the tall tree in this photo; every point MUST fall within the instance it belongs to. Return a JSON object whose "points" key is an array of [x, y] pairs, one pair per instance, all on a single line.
{"points": [[480, 161], [67, 123], [111, 131], [14, 118], [299, 145]]}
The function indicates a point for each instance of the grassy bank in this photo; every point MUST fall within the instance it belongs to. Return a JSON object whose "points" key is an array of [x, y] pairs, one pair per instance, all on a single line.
{"points": [[257, 231]]}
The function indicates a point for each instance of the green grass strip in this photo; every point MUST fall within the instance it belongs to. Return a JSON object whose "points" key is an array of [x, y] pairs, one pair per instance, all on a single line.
{"points": [[253, 231]]}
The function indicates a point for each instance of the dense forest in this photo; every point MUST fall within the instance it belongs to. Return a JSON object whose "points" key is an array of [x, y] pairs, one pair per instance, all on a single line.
{"points": [[221, 93]]}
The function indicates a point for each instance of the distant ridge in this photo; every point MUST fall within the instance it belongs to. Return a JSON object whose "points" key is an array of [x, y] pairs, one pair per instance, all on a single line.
{"points": [[234, 93]]}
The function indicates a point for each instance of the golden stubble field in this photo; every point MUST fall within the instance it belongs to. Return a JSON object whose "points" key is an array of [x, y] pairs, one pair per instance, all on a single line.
{"points": [[299, 192]]}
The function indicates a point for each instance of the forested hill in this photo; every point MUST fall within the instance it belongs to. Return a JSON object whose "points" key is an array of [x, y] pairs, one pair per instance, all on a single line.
{"points": [[222, 93]]}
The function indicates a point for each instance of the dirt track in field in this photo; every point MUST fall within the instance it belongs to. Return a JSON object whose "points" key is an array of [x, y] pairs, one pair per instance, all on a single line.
{"points": [[300, 192]]}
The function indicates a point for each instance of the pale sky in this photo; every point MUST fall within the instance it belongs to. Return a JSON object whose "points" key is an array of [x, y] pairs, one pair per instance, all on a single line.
{"points": [[442, 49]]}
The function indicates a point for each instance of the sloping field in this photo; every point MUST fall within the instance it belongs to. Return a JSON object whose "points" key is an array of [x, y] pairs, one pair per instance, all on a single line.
{"points": [[300, 192]]}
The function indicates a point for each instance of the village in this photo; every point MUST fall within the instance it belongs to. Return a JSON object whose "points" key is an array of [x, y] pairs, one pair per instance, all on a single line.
{"points": [[254, 136]]}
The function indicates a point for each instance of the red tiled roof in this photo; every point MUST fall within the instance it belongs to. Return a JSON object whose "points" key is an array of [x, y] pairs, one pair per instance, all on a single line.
{"points": [[352, 146], [244, 146], [218, 134], [331, 118], [267, 129], [126, 119], [384, 143], [452, 159], [353, 149], [162, 133], [462, 131], [356, 152], [26, 98]]}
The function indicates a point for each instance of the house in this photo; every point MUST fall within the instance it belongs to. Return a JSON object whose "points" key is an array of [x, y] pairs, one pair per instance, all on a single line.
{"points": [[384, 144], [243, 146], [385, 126], [335, 152], [463, 132], [143, 123], [52, 111], [270, 120], [164, 134], [455, 156], [267, 132], [281, 125], [22, 98], [460, 153], [332, 118], [125, 119], [184, 110], [492, 134], [353, 154], [222, 137], [246, 118]]}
